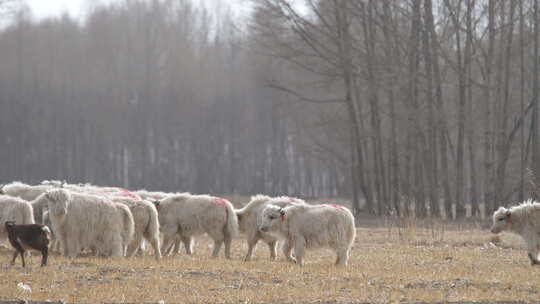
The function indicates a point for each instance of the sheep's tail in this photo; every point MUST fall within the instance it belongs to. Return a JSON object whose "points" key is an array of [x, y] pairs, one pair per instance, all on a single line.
{"points": [[153, 226], [129, 224], [351, 229], [232, 221], [28, 214]]}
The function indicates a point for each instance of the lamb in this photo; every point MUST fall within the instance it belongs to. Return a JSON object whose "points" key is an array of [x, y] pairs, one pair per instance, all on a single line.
{"points": [[14, 209], [88, 221], [32, 236], [189, 215], [523, 220], [305, 226], [146, 220], [249, 216]]}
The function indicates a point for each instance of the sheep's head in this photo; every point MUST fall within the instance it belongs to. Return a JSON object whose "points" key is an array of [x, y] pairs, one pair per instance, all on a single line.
{"points": [[271, 218], [58, 201], [502, 220]]}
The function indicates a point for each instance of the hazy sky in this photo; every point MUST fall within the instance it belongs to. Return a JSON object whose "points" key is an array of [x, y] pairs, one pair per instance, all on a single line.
{"points": [[49, 8], [77, 8]]}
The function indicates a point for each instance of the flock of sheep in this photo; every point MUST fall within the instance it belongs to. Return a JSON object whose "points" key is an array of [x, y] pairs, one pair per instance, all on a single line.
{"points": [[111, 221]]}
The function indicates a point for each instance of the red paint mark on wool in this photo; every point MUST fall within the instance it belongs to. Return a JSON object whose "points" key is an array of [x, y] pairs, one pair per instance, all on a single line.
{"points": [[126, 192], [219, 200], [335, 206]]}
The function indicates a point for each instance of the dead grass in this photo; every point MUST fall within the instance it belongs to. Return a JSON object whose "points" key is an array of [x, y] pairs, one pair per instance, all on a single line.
{"points": [[390, 262]]}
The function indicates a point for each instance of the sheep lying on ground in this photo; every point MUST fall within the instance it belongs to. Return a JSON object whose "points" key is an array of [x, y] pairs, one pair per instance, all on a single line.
{"points": [[189, 215], [523, 220], [305, 226], [33, 236], [88, 221], [249, 216], [14, 209]]}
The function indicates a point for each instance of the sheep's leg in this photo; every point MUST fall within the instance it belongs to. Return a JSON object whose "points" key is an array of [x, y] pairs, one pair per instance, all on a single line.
{"points": [[133, 247], [176, 248], [342, 257], [173, 247], [117, 249], [217, 247], [15, 254], [154, 241], [166, 250], [227, 240], [299, 249], [141, 247], [532, 250], [44, 255], [168, 234], [272, 245], [251, 245], [22, 257], [287, 250], [188, 244]]}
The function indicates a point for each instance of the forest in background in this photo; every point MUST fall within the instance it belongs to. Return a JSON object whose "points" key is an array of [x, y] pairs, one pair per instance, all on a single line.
{"points": [[431, 104]]}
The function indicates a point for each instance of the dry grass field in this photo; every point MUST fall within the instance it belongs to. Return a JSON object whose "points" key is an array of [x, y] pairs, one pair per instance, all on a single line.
{"points": [[391, 262]]}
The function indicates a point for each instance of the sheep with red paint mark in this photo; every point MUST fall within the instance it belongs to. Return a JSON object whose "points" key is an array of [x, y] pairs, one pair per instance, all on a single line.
{"points": [[304, 226], [249, 216], [523, 220], [14, 209], [188, 215], [24, 237]]}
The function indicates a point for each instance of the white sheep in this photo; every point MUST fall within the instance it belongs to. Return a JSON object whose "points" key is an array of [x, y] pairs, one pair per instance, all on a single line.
{"points": [[27, 193], [306, 226], [88, 221], [14, 209], [54, 244], [250, 215], [152, 195], [523, 220], [189, 215], [146, 220], [24, 191]]}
